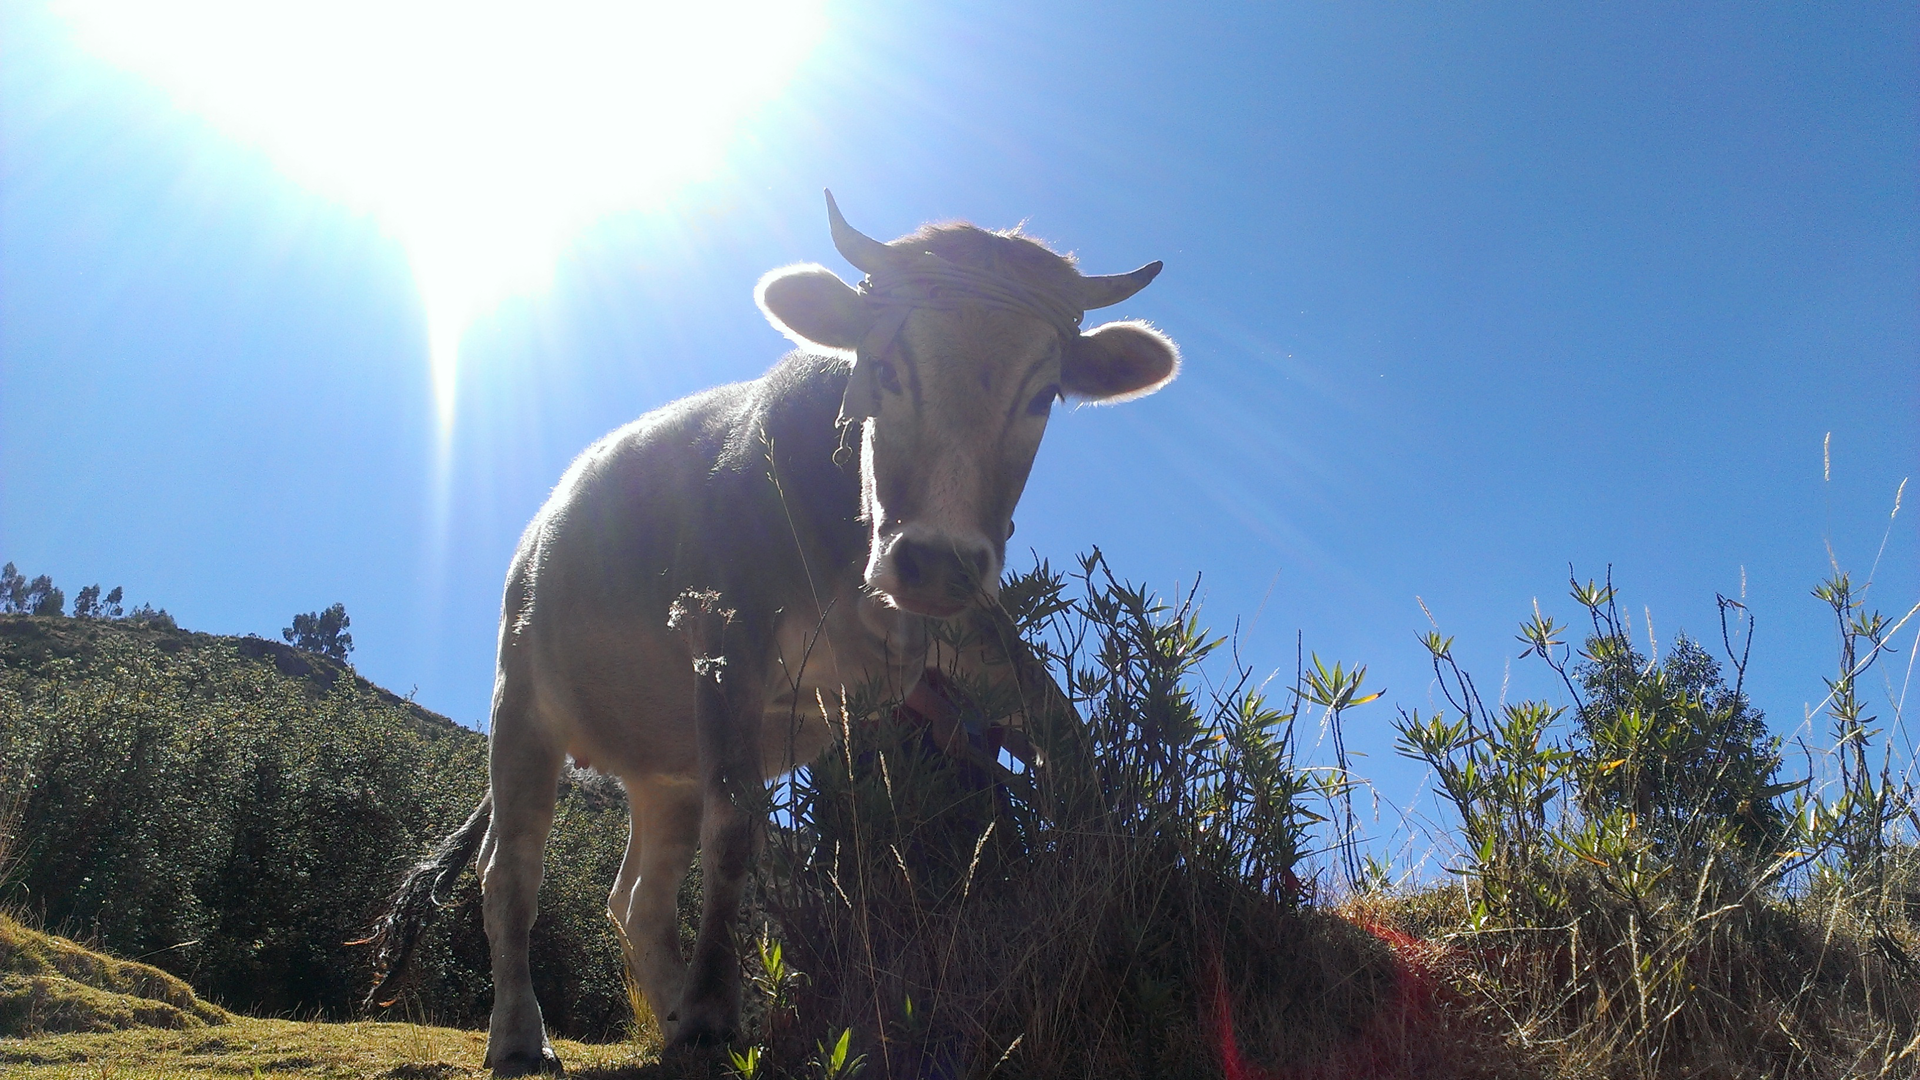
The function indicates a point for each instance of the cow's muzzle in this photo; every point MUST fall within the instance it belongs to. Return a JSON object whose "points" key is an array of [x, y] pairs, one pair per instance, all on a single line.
{"points": [[935, 576]]}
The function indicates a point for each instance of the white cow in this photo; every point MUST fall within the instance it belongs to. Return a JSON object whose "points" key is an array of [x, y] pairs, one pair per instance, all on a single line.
{"points": [[703, 578]]}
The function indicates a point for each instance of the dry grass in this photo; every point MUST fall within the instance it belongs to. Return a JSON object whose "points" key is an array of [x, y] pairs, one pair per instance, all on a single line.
{"points": [[1385, 985], [1129, 910], [1798, 986]]}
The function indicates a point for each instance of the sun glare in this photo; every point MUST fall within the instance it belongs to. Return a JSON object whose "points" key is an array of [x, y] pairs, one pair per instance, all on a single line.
{"points": [[482, 134]]}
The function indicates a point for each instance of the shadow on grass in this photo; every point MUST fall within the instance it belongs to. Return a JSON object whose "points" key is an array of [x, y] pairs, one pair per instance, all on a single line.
{"points": [[672, 1065]]}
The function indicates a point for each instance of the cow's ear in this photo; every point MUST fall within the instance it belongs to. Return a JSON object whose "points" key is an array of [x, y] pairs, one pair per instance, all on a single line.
{"points": [[1118, 362], [814, 308]]}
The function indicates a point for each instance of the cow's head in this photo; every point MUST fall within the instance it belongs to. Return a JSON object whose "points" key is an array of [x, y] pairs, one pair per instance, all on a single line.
{"points": [[962, 340]]}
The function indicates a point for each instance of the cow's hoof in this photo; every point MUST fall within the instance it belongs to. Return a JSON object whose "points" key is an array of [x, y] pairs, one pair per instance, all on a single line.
{"points": [[524, 1064], [694, 1033], [702, 1038]]}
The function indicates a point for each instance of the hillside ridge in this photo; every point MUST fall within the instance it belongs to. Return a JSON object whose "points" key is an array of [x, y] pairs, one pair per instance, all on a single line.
{"points": [[237, 811], [29, 642]]}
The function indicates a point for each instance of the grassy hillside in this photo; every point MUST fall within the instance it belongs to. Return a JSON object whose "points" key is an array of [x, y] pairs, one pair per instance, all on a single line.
{"points": [[51, 985], [68, 1011], [1642, 887], [234, 811]]}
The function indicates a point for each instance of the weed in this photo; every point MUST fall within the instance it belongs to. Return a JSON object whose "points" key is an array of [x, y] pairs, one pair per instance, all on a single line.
{"points": [[1097, 913], [1631, 896]]}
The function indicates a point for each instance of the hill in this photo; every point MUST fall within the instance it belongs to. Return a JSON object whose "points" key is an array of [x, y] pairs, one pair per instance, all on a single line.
{"points": [[67, 1011], [235, 811], [31, 643], [1639, 892]]}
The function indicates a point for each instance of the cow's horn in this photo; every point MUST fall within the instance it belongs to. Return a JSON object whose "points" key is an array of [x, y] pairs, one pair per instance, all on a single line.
{"points": [[1109, 289], [864, 252]]}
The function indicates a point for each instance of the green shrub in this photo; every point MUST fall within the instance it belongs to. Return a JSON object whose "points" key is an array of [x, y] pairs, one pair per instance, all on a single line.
{"points": [[1111, 913], [1642, 897], [235, 812]]}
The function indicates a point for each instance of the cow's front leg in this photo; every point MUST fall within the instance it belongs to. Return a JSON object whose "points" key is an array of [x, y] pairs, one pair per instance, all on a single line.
{"points": [[732, 701]]}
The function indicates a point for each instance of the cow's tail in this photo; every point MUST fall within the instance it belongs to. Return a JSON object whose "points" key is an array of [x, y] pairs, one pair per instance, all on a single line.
{"points": [[398, 932]]}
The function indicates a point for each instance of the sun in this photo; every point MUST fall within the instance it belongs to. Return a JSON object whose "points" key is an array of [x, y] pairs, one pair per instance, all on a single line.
{"points": [[484, 135]]}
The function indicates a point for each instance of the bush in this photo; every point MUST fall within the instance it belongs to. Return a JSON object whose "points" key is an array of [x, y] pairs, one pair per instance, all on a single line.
{"points": [[1636, 897], [1131, 908], [1697, 756], [235, 812]]}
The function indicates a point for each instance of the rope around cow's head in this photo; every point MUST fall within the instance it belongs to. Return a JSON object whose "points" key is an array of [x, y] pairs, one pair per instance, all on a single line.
{"points": [[900, 280]]}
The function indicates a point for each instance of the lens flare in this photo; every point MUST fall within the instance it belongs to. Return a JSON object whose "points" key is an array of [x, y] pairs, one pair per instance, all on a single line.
{"points": [[483, 135]]}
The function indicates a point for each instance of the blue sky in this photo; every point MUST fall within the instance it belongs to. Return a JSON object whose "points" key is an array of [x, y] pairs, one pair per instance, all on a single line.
{"points": [[1466, 294]]}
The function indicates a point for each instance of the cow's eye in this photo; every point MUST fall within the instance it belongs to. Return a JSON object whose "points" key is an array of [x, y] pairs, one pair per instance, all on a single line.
{"points": [[1042, 402]]}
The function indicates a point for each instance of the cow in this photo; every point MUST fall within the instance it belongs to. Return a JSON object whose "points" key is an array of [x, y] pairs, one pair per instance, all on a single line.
{"points": [[686, 609]]}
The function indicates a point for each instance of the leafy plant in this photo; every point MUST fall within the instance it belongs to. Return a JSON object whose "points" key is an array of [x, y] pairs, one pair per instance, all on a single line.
{"points": [[832, 1063], [1076, 916], [1627, 874]]}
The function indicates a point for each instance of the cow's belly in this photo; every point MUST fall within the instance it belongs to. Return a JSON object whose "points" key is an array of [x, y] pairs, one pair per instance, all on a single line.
{"points": [[620, 701], [624, 701]]}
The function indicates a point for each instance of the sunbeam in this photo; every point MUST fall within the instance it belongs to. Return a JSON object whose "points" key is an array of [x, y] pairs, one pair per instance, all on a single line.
{"points": [[483, 135]]}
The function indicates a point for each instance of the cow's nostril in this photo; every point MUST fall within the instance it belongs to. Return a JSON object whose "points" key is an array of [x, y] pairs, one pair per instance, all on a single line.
{"points": [[908, 565], [982, 561], [938, 572]]}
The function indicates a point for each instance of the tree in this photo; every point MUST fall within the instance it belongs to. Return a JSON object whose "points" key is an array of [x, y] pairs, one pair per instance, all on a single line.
{"points": [[322, 632], [88, 604], [13, 590], [22, 597], [43, 598], [1675, 744]]}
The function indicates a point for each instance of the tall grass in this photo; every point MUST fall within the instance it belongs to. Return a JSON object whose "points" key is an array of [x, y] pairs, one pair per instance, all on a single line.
{"points": [[1646, 897], [1130, 907], [1646, 887], [1644, 892]]}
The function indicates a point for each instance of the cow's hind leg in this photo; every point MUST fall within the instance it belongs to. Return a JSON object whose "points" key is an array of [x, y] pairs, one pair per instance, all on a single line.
{"points": [[666, 830], [525, 771]]}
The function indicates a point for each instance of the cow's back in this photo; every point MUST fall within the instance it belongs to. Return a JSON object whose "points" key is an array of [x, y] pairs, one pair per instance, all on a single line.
{"points": [[733, 489]]}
